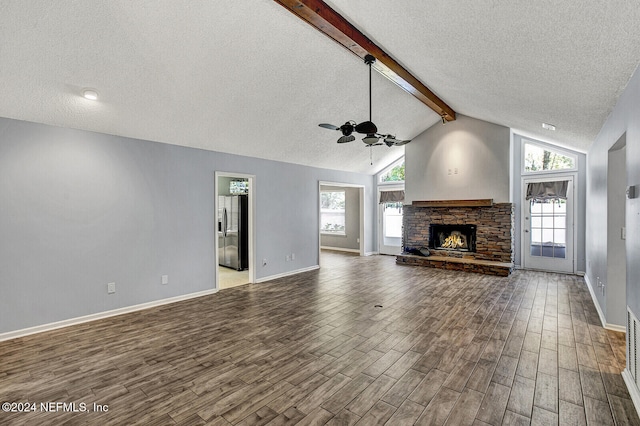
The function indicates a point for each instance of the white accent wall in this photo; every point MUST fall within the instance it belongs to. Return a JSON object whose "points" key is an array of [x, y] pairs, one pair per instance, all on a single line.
{"points": [[464, 159]]}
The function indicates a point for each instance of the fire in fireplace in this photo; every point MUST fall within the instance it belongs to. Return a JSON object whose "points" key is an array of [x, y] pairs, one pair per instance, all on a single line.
{"points": [[452, 237]]}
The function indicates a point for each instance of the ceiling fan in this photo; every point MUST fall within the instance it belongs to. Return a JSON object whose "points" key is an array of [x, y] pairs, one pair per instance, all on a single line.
{"points": [[367, 128]]}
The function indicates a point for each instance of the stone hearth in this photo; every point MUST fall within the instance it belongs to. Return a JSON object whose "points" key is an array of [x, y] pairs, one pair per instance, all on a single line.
{"points": [[494, 246]]}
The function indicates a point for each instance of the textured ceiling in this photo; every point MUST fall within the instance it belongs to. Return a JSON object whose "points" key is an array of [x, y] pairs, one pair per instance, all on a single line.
{"points": [[251, 78]]}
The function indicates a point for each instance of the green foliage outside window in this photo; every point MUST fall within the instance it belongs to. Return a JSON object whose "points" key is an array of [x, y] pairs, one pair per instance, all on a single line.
{"points": [[396, 174], [537, 159]]}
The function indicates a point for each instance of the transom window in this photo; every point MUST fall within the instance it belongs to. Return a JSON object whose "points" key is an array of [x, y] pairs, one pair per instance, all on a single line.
{"points": [[332, 212], [394, 173], [541, 159]]}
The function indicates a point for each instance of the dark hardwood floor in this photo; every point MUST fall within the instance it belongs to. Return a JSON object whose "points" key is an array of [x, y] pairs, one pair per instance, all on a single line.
{"points": [[361, 340]]}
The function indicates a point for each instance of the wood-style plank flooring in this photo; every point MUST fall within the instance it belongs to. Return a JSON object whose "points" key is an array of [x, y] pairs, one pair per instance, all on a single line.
{"points": [[360, 341]]}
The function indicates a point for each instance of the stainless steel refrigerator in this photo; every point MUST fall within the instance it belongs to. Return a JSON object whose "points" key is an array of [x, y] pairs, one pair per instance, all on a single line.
{"points": [[233, 235]]}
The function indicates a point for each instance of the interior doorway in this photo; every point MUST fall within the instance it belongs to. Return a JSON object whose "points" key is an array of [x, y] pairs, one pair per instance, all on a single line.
{"points": [[548, 218], [341, 217], [234, 229]]}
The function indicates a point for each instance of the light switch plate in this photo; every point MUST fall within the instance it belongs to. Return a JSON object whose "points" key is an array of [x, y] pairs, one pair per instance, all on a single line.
{"points": [[111, 288], [165, 279]]}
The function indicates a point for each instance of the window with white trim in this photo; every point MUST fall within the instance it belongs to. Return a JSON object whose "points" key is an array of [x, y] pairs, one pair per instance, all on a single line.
{"points": [[394, 173], [542, 159], [332, 212]]}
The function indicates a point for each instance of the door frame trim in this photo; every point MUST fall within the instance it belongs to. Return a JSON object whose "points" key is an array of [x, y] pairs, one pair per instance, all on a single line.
{"points": [[252, 228], [543, 177]]}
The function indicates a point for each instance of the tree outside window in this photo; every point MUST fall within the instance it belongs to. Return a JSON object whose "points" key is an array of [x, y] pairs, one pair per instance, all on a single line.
{"points": [[539, 159], [395, 174]]}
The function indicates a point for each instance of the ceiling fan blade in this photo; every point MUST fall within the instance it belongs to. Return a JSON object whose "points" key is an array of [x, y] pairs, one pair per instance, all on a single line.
{"points": [[390, 140], [329, 126], [345, 139], [366, 127]]}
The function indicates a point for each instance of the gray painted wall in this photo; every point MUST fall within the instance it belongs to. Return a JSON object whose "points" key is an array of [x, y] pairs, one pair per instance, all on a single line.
{"points": [[616, 251], [623, 119], [580, 207], [352, 221], [79, 210], [479, 151]]}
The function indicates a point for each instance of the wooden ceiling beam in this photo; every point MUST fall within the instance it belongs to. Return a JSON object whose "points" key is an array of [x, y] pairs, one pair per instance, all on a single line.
{"points": [[322, 17]]}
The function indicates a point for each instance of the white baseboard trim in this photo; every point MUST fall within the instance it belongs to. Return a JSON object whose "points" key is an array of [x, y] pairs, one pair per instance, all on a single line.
{"points": [[632, 388], [100, 315], [581, 273], [348, 250], [371, 253], [615, 327], [286, 274], [603, 320]]}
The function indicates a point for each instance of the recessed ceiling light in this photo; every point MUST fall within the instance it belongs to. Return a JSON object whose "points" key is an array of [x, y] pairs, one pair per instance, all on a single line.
{"points": [[90, 94], [548, 126]]}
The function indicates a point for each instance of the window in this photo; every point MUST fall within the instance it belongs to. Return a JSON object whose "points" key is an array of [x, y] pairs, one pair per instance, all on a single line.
{"points": [[548, 227], [393, 174], [332, 212], [541, 159]]}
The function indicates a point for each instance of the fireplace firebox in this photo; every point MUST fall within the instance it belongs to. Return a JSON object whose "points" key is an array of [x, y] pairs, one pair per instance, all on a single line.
{"points": [[452, 237]]}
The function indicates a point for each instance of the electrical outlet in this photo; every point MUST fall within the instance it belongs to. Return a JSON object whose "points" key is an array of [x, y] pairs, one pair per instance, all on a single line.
{"points": [[293, 256], [287, 258], [111, 288], [165, 279]]}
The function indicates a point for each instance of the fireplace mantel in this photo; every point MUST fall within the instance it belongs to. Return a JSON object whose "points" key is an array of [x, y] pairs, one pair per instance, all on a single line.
{"points": [[483, 202]]}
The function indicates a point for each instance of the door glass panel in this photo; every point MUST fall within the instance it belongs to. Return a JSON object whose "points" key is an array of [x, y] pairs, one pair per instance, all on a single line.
{"points": [[392, 217], [548, 228]]}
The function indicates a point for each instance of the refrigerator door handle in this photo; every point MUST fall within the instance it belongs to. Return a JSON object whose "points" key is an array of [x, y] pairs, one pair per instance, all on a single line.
{"points": [[225, 221]]}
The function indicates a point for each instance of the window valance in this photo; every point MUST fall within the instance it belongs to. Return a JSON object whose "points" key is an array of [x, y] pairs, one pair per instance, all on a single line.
{"points": [[547, 190], [391, 196]]}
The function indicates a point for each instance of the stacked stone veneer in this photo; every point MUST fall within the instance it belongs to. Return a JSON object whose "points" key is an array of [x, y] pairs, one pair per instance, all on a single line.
{"points": [[494, 233]]}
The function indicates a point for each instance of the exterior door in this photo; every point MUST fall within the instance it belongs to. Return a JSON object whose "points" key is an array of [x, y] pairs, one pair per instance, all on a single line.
{"points": [[548, 229], [390, 230]]}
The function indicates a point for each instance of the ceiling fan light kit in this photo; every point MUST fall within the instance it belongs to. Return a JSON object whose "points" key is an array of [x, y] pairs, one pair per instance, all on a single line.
{"points": [[367, 128]]}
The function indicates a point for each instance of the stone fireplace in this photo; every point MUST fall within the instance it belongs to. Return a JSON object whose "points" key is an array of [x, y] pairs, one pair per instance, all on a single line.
{"points": [[473, 238]]}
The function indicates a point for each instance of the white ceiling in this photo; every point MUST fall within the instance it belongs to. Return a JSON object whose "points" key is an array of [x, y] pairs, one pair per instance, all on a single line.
{"points": [[251, 78]]}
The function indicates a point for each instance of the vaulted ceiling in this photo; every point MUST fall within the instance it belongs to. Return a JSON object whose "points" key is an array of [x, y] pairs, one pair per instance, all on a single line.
{"points": [[251, 78]]}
